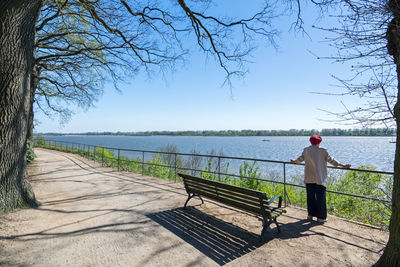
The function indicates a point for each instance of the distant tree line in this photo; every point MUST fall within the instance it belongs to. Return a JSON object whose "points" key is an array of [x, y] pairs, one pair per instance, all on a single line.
{"points": [[291, 132]]}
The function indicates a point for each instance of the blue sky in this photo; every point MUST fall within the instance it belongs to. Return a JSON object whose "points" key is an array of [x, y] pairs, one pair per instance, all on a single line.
{"points": [[275, 94]]}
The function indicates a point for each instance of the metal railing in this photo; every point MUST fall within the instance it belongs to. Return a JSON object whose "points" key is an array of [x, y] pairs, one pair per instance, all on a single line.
{"points": [[90, 151]]}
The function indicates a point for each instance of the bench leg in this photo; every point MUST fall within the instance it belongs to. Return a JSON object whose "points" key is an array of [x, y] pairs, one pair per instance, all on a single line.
{"points": [[202, 202], [187, 200], [265, 228], [189, 197], [277, 225]]}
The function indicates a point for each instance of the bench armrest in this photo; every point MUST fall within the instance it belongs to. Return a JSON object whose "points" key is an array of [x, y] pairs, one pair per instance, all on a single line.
{"points": [[274, 198]]}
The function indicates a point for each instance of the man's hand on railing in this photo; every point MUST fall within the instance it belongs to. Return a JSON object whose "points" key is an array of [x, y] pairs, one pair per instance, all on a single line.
{"points": [[346, 166]]}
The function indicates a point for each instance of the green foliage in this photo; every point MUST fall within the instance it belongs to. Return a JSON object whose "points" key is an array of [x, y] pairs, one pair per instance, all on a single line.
{"points": [[30, 153], [158, 168], [210, 172], [364, 184], [39, 141], [252, 171]]}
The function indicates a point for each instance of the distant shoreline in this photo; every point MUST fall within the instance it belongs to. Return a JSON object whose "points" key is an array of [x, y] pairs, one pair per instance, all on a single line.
{"points": [[379, 132]]}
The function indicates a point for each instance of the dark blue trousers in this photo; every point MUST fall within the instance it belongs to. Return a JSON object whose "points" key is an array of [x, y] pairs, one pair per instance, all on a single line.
{"points": [[316, 200]]}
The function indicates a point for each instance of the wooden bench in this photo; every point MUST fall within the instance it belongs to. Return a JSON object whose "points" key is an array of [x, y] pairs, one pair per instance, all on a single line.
{"points": [[255, 202]]}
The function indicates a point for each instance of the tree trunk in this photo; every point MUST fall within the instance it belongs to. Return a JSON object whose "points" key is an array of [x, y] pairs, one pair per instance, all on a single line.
{"points": [[34, 82], [391, 254], [17, 33]]}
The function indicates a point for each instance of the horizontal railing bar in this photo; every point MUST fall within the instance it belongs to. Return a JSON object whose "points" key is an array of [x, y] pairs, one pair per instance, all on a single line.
{"points": [[228, 174], [225, 157]]}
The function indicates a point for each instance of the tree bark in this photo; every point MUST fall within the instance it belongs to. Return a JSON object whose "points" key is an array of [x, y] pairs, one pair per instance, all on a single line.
{"points": [[17, 33], [391, 254], [34, 82]]}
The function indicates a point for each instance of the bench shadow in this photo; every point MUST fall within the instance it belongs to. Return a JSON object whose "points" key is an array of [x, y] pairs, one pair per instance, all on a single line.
{"points": [[220, 241]]}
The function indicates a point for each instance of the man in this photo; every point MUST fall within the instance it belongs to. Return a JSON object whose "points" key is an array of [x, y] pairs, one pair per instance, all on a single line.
{"points": [[315, 177]]}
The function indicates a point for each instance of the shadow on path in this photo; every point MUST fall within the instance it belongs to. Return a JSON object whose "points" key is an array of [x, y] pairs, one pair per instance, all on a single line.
{"points": [[218, 240]]}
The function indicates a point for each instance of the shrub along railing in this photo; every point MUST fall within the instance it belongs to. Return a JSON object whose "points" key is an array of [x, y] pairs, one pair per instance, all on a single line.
{"points": [[359, 194]]}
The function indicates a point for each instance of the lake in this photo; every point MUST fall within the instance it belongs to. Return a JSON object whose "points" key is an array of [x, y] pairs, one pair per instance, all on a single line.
{"points": [[373, 151]]}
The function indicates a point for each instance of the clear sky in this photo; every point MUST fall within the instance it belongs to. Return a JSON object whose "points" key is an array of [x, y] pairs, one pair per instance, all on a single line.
{"points": [[275, 94]]}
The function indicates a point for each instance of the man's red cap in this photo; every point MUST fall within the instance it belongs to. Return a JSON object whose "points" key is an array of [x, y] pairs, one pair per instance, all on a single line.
{"points": [[315, 139]]}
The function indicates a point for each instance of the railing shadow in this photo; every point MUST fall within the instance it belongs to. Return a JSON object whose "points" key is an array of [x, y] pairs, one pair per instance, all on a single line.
{"points": [[220, 241]]}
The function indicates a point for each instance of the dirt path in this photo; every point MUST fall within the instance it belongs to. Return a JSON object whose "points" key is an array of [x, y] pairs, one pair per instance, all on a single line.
{"points": [[94, 216]]}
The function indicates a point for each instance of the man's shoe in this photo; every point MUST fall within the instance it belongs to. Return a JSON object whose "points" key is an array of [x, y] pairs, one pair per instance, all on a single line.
{"points": [[322, 220], [309, 218]]}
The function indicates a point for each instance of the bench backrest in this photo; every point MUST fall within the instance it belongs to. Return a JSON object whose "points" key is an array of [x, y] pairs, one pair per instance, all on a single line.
{"points": [[239, 197]]}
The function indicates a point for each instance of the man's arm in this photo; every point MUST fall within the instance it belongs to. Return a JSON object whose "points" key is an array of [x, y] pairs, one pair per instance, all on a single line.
{"points": [[298, 160], [336, 163]]}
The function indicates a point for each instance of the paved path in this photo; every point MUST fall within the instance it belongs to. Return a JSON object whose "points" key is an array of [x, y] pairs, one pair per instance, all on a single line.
{"points": [[95, 216]]}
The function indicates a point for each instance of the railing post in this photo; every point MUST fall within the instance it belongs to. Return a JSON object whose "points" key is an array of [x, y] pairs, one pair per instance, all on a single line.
{"points": [[118, 158], [88, 147], [219, 169], [102, 158], [175, 166], [94, 153], [142, 163], [284, 184]]}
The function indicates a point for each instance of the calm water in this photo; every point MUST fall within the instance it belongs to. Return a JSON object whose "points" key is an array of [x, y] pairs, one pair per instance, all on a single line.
{"points": [[374, 151]]}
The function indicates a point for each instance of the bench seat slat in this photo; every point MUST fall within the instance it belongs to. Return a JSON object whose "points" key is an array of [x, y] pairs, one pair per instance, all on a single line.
{"points": [[232, 201], [223, 185], [240, 205], [225, 193], [238, 192], [271, 213]]}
